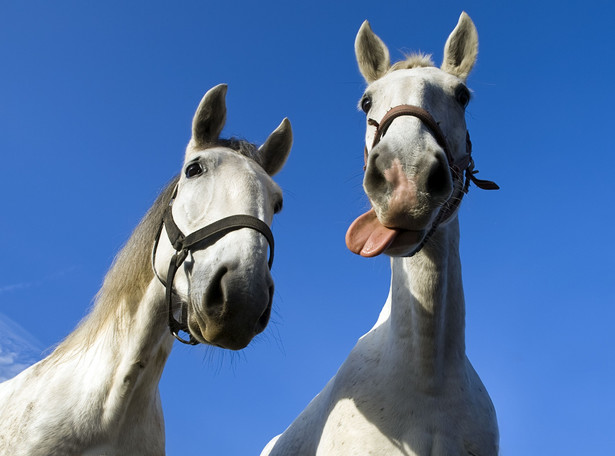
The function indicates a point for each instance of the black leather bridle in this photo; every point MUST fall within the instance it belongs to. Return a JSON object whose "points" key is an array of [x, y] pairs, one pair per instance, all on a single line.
{"points": [[197, 241]]}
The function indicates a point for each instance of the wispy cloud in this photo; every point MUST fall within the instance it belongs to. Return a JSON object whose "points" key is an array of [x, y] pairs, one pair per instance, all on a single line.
{"points": [[20, 286], [37, 283], [18, 348]]}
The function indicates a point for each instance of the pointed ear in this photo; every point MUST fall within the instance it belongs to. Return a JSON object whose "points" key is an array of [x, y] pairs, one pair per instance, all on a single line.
{"points": [[372, 54], [210, 116], [461, 48], [273, 154]]}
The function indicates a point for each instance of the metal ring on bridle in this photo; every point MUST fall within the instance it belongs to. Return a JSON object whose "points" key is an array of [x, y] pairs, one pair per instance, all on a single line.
{"points": [[185, 244]]}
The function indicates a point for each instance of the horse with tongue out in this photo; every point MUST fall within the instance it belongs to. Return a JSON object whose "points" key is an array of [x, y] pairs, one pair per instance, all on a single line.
{"points": [[407, 387]]}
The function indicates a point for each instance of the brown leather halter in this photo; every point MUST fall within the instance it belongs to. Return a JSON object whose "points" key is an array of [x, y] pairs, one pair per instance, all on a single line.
{"points": [[462, 168]]}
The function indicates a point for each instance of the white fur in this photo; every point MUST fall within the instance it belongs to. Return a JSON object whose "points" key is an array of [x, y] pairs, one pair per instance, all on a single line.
{"points": [[407, 387], [97, 393]]}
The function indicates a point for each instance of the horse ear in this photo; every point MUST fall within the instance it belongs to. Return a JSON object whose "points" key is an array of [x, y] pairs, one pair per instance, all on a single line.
{"points": [[461, 48], [210, 116], [273, 154], [372, 54]]}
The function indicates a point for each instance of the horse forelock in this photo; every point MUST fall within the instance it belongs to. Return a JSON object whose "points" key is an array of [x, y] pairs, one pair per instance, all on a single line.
{"points": [[127, 279], [241, 146], [414, 60]]}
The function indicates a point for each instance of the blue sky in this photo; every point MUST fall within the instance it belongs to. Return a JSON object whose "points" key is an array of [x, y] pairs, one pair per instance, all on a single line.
{"points": [[96, 101]]}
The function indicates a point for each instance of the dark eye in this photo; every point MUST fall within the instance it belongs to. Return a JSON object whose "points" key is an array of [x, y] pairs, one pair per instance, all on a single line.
{"points": [[194, 169], [366, 104], [463, 96]]}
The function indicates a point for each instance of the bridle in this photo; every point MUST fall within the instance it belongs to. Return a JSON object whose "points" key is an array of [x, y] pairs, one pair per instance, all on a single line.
{"points": [[197, 241], [462, 168]]}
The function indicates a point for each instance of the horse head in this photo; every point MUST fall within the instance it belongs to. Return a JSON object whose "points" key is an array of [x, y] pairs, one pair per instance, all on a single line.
{"points": [[223, 285], [417, 150]]}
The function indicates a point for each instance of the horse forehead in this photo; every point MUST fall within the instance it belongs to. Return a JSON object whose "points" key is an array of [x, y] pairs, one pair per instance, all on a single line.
{"points": [[224, 161], [246, 171], [233, 170], [414, 82], [215, 155]]}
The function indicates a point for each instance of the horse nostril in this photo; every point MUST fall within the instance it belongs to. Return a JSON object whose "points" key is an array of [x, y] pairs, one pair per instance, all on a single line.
{"points": [[438, 179], [374, 180], [215, 294]]}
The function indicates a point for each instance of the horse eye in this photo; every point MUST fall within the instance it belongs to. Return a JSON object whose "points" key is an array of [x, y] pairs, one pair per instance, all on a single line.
{"points": [[366, 104], [194, 169], [463, 96]]}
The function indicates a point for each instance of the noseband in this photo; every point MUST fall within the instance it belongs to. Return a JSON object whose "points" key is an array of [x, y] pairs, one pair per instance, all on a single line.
{"points": [[462, 169], [197, 241]]}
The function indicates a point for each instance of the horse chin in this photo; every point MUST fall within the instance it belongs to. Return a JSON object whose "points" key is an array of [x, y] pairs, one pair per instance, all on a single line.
{"points": [[232, 332], [203, 333]]}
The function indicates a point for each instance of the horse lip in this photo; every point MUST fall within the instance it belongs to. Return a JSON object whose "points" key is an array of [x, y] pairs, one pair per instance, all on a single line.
{"points": [[402, 241], [197, 326], [201, 326], [403, 228], [406, 239]]}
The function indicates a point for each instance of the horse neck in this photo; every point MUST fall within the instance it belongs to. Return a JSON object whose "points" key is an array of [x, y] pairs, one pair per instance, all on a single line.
{"points": [[428, 309], [118, 362]]}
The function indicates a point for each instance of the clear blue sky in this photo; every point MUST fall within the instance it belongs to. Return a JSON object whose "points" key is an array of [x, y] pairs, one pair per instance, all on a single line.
{"points": [[96, 100]]}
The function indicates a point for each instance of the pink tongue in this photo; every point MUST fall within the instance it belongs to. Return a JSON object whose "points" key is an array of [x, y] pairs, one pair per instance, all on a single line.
{"points": [[367, 237]]}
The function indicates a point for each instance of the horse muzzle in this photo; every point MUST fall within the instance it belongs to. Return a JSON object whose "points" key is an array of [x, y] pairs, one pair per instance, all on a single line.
{"points": [[232, 309], [405, 193]]}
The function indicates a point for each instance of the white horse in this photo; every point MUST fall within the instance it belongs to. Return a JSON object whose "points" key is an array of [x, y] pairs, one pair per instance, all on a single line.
{"points": [[407, 387], [97, 393]]}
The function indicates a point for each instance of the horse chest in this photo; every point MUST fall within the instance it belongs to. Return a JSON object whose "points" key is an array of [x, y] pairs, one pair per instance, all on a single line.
{"points": [[376, 408], [353, 428]]}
